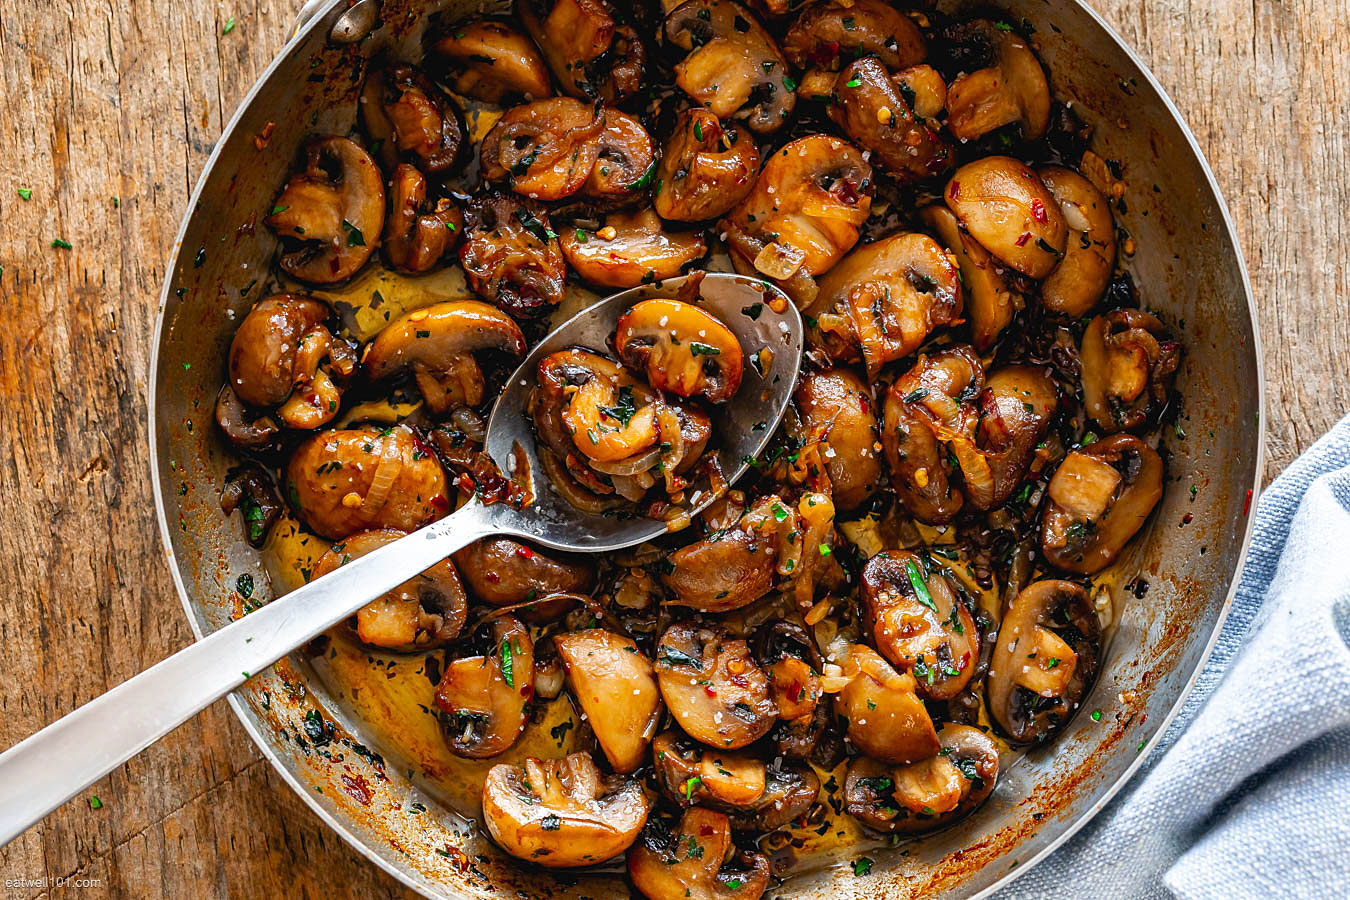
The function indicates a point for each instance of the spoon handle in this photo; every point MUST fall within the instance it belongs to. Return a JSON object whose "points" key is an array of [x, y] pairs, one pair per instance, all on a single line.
{"points": [[44, 770]]}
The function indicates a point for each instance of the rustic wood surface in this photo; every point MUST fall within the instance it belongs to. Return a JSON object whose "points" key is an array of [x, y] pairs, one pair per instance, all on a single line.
{"points": [[107, 114]]}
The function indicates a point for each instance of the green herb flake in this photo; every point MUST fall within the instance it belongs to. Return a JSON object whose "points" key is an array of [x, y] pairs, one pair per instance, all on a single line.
{"points": [[698, 349], [1096, 715], [244, 585], [753, 311], [854, 82], [789, 83], [62, 244], [689, 786], [862, 866], [825, 550], [94, 802], [354, 236], [26, 194], [229, 26], [507, 675], [920, 588]]}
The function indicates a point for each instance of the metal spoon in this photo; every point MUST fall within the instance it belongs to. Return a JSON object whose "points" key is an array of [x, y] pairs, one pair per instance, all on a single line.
{"points": [[43, 771]]}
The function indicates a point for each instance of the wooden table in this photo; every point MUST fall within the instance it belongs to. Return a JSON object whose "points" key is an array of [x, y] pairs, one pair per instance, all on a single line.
{"points": [[108, 113]]}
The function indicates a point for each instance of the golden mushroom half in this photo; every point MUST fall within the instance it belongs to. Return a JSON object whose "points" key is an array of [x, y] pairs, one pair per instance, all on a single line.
{"points": [[613, 682], [682, 348], [1004, 206]]}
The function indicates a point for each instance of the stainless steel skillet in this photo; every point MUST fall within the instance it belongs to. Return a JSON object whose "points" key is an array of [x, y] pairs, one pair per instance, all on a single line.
{"points": [[1187, 265]]}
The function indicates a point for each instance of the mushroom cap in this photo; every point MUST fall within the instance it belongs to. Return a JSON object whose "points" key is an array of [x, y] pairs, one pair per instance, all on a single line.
{"points": [[616, 689], [263, 351], [873, 111], [591, 55], [419, 230], [835, 408], [434, 335], [1079, 281], [640, 252], [545, 149], [712, 686], [707, 167], [694, 861], [493, 62], [1128, 361], [1006, 208], [410, 118], [1009, 87], [989, 299], [825, 35], [682, 348], [510, 254], [625, 159], [484, 697], [1017, 406], [502, 571], [886, 719]]}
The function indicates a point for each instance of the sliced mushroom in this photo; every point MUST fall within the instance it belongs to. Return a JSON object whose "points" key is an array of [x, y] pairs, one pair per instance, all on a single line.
{"points": [[1005, 207], [250, 489], [493, 62], [614, 684], [1003, 83], [919, 624], [788, 654], [326, 212], [733, 67], [886, 719], [245, 429], [928, 794], [736, 565], [755, 797], [1016, 409], [872, 110], [410, 118], [511, 255], [696, 861], [681, 348], [885, 298], [1079, 281], [438, 344], [707, 168], [802, 215], [483, 698], [639, 251], [504, 572], [990, 301], [420, 230], [342, 482], [835, 414], [1045, 660], [830, 35], [712, 686], [425, 612], [625, 162], [562, 813], [590, 53], [923, 89], [1128, 362], [1099, 498], [545, 149]]}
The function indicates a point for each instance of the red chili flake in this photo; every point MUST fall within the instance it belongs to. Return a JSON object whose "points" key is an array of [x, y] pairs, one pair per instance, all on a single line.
{"points": [[709, 691], [864, 402], [1247, 504], [739, 681], [440, 503], [965, 660], [524, 552], [1021, 241], [492, 577], [705, 830], [955, 190], [526, 690], [357, 789], [1038, 211], [1186, 519]]}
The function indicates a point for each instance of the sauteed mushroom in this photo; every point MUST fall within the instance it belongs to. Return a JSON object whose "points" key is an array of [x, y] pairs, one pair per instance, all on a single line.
{"points": [[438, 343], [511, 256], [919, 624], [1003, 83], [923, 89], [1045, 660], [545, 149], [493, 62], [1081, 277], [802, 215], [787, 653], [342, 482], [245, 430], [419, 230], [502, 571], [989, 298], [871, 108], [1099, 498], [614, 685], [1016, 408], [1128, 363], [928, 794], [251, 490], [681, 348], [706, 169], [483, 697], [590, 53], [326, 211], [426, 611], [1005, 207], [626, 160], [733, 65], [639, 252], [712, 686], [563, 813], [834, 412], [830, 35], [696, 861], [886, 719], [410, 118], [735, 565]]}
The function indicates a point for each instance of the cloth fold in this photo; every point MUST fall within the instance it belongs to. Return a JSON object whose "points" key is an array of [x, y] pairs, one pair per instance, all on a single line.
{"points": [[1248, 793]]}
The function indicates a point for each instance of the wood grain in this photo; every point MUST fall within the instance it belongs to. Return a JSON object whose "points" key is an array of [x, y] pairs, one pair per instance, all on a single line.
{"points": [[107, 114]]}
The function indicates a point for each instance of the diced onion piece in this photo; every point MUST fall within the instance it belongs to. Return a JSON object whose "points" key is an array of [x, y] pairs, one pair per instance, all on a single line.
{"points": [[779, 261]]}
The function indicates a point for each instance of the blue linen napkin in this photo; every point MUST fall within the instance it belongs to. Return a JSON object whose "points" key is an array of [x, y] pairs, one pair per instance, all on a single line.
{"points": [[1248, 793]]}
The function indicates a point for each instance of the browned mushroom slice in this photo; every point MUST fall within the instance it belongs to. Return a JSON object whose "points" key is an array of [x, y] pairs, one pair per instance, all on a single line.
{"points": [[419, 230], [927, 794], [927, 407], [830, 35], [1081, 277], [803, 214], [696, 860], [410, 118], [712, 686], [511, 255], [563, 813], [872, 110], [1128, 362], [590, 53], [329, 215], [483, 698], [1099, 498], [245, 429], [835, 415], [755, 796], [503, 572], [1003, 84], [342, 482], [545, 149], [631, 249], [423, 613], [990, 301], [681, 348], [733, 66], [493, 62], [706, 169], [736, 565], [788, 654], [438, 343], [886, 719], [1016, 408], [614, 684], [250, 489], [625, 162], [1005, 207], [923, 89], [919, 624]]}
